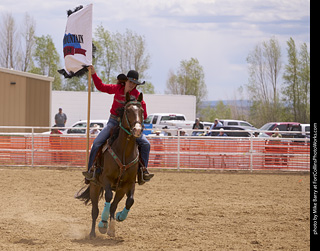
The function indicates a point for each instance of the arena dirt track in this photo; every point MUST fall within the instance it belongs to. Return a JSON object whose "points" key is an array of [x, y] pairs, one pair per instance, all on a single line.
{"points": [[176, 211]]}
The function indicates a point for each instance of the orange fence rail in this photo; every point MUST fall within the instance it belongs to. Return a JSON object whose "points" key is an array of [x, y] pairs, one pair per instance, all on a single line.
{"points": [[166, 152]]}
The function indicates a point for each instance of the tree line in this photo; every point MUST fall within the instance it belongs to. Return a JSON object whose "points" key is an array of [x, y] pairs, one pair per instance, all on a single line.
{"points": [[273, 93]]}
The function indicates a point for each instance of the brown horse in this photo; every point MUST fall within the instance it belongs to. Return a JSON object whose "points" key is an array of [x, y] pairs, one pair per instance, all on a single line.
{"points": [[120, 166]]}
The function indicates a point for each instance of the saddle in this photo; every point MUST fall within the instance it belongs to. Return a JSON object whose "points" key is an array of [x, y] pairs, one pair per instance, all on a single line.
{"points": [[98, 164]]}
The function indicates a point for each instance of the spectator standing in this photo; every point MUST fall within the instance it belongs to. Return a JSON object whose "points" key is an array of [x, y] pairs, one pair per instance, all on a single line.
{"points": [[276, 134], [95, 130], [182, 132], [196, 126], [255, 134], [60, 118], [222, 133], [216, 124]]}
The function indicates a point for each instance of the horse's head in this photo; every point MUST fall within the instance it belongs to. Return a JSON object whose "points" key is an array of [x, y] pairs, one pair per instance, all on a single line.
{"points": [[132, 119]]}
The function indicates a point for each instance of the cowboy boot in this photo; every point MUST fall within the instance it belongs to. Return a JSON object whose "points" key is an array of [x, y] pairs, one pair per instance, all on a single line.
{"points": [[146, 175]]}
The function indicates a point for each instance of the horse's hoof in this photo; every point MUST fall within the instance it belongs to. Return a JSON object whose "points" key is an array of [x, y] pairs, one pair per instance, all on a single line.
{"points": [[112, 228], [111, 233], [102, 230], [92, 236], [103, 227]]}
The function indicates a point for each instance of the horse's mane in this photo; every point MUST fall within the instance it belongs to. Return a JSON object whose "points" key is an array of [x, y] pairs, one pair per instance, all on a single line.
{"points": [[114, 133]]}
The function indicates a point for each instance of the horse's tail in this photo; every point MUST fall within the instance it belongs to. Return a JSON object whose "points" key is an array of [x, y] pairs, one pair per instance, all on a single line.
{"points": [[84, 194]]}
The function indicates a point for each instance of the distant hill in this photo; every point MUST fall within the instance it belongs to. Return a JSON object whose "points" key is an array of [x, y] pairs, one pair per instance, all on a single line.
{"points": [[213, 103]]}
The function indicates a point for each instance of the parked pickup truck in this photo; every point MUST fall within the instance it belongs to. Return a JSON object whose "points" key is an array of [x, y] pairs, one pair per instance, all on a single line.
{"points": [[298, 130], [168, 120]]}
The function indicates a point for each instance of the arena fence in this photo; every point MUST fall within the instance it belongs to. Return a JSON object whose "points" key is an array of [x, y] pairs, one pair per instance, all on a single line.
{"points": [[174, 152]]}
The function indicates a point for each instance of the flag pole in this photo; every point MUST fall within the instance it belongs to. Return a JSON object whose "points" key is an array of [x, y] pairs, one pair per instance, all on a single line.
{"points": [[88, 117]]}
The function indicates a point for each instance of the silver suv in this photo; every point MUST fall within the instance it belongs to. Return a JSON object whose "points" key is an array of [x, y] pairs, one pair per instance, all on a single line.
{"points": [[233, 122]]}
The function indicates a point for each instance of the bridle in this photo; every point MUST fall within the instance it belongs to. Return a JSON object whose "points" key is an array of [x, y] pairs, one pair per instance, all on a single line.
{"points": [[123, 167], [129, 130]]}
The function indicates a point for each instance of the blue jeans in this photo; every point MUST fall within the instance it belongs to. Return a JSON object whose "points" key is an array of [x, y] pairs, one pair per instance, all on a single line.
{"points": [[105, 134]]}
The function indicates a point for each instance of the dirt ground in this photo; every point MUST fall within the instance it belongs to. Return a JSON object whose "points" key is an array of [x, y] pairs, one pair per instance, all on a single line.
{"points": [[175, 211]]}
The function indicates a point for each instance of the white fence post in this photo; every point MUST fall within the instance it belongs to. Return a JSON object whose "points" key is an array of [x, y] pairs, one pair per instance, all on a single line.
{"points": [[32, 144], [178, 162], [251, 153]]}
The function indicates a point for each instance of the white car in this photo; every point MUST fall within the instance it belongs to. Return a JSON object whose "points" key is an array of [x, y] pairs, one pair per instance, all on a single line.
{"points": [[81, 126]]}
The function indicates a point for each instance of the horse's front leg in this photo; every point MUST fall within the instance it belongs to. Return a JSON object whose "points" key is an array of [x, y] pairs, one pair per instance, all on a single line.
{"points": [[94, 196], [112, 227], [103, 224], [121, 216]]}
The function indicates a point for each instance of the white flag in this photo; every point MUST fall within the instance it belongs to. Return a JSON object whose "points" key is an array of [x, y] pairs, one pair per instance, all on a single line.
{"points": [[77, 42]]}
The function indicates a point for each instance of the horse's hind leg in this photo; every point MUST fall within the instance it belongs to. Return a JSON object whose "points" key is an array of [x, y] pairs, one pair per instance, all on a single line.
{"points": [[103, 224], [94, 196], [121, 216]]}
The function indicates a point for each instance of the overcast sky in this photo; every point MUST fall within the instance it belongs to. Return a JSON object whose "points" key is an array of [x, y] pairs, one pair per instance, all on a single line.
{"points": [[219, 33]]}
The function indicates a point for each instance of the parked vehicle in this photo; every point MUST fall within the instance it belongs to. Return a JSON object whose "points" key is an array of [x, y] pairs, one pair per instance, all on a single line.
{"points": [[242, 131], [232, 122], [302, 130], [168, 121], [81, 126], [207, 124], [305, 129]]}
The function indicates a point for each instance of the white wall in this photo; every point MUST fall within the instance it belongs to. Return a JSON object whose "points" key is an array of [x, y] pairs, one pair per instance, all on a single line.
{"points": [[74, 105]]}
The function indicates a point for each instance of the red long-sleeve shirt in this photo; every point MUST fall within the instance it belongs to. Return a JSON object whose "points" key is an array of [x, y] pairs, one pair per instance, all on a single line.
{"points": [[119, 98]]}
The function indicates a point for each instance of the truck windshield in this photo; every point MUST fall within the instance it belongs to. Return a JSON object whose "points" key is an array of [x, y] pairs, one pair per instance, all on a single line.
{"points": [[148, 119], [173, 117]]}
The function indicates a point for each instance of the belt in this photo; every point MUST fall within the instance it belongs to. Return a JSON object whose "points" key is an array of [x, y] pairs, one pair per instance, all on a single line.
{"points": [[115, 117]]}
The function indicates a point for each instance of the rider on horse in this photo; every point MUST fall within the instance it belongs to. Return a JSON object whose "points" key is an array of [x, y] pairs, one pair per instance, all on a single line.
{"points": [[125, 84]]}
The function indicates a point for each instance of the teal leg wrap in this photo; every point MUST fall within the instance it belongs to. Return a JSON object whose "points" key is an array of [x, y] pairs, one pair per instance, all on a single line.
{"points": [[121, 216], [105, 215], [106, 211]]}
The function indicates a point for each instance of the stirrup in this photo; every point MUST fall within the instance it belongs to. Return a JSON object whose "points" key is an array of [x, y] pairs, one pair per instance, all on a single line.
{"points": [[90, 176], [140, 180]]}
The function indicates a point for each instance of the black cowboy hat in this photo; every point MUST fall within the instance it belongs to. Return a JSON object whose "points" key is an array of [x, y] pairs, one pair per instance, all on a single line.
{"points": [[132, 75]]}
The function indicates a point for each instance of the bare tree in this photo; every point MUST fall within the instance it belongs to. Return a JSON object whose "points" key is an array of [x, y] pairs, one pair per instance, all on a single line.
{"points": [[28, 35], [132, 53], [296, 91], [264, 70], [106, 57], [8, 41]]}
